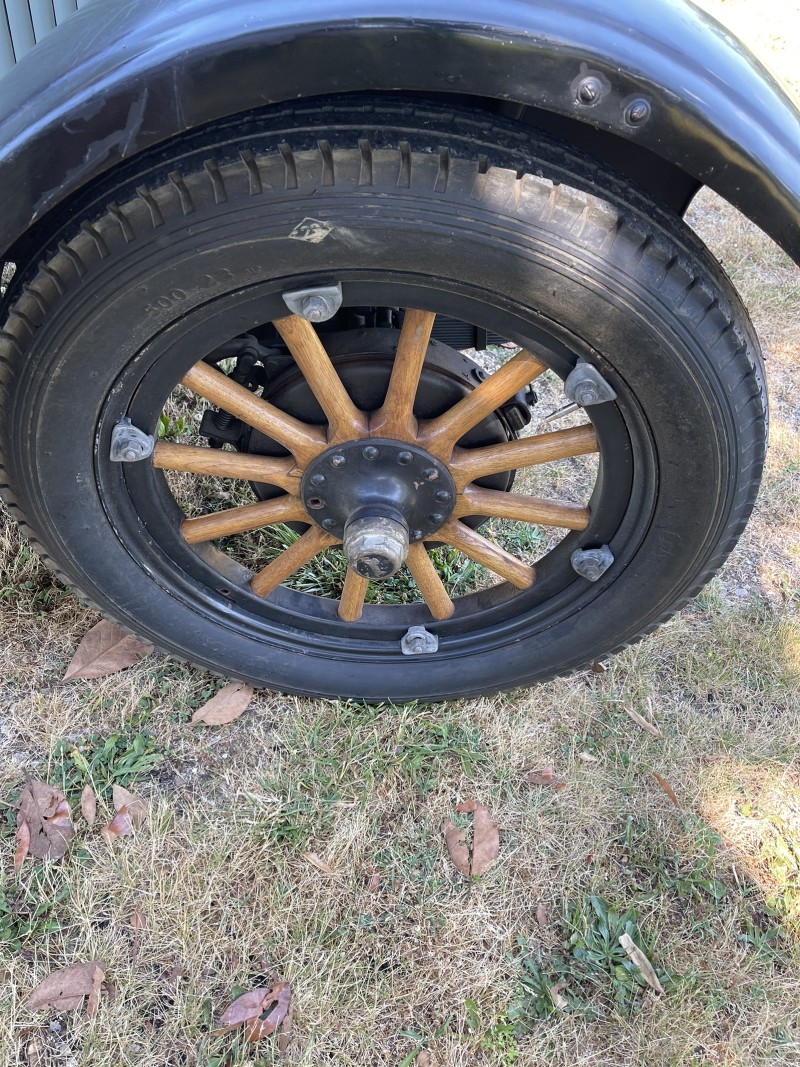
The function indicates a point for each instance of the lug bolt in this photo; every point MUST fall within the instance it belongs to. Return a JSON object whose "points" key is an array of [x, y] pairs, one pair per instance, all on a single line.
{"points": [[586, 394], [131, 455], [637, 112], [416, 535], [318, 479], [430, 474], [338, 460], [370, 452], [442, 496], [588, 90], [404, 457], [437, 517], [315, 309], [328, 524]]}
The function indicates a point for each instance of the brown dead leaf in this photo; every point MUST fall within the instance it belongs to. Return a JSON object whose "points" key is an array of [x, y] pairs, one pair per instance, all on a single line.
{"points": [[667, 788], [318, 862], [64, 990], [542, 918], [546, 777], [261, 1011], [456, 841], [285, 1033], [138, 921], [642, 722], [120, 826], [424, 1059], [46, 812], [135, 806], [93, 1003], [88, 805], [560, 1003], [374, 882], [105, 649], [225, 706], [635, 955], [485, 841], [23, 844]]}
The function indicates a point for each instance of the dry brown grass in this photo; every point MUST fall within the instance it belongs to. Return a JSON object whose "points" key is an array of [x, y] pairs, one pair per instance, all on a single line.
{"points": [[426, 960]]}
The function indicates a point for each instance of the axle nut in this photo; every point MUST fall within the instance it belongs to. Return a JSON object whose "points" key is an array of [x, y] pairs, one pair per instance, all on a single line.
{"points": [[376, 546]]}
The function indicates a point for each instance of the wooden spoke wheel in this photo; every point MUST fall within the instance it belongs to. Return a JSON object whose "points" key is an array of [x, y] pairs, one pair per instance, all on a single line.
{"points": [[369, 472], [338, 497]]}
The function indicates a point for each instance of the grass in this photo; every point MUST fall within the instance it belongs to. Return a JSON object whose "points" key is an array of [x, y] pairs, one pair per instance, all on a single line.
{"points": [[394, 958]]}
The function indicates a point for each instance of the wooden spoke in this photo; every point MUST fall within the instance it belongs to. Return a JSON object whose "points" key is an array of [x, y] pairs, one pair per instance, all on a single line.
{"points": [[429, 583], [487, 553], [468, 464], [476, 501], [291, 560], [304, 442], [396, 417], [239, 520], [346, 422], [353, 592], [274, 471], [440, 435]]}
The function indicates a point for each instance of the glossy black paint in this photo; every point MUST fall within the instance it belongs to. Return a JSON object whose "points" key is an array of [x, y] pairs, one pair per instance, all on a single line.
{"points": [[668, 81]]}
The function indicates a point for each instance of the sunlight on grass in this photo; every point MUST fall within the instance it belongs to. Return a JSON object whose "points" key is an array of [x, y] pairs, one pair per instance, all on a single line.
{"points": [[756, 810]]}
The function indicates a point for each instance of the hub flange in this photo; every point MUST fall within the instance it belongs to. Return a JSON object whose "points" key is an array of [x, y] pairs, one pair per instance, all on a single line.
{"points": [[376, 476]]}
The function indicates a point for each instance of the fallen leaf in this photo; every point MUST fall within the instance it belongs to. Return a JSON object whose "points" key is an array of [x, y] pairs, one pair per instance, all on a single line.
{"points": [[587, 757], [225, 706], [174, 974], [88, 805], [374, 883], [456, 841], [105, 649], [46, 812], [320, 864], [285, 1033], [542, 918], [64, 990], [93, 1003], [560, 1003], [424, 1059], [547, 777], [120, 826], [635, 955], [138, 920], [485, 841], [135, 806], [23, 844], [261, 1011], [667, 788], [641, 721], [600, 666]]}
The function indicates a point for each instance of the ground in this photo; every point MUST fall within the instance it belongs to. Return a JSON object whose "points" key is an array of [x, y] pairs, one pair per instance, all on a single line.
{"points": [[392, 955]]}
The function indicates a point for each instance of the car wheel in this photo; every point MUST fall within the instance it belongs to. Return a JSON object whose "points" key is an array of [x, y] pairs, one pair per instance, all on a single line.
{"points": [[241, 416]]}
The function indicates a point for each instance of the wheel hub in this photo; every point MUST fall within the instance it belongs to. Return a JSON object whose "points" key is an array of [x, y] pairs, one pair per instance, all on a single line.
{"points": [[367, 492]]}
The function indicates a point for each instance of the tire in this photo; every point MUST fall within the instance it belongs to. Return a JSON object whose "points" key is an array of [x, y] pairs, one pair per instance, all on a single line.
{"points": [[407, 206]]}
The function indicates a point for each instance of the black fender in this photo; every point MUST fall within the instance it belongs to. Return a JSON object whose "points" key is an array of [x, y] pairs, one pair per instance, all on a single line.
{"points": [[660, 88]]}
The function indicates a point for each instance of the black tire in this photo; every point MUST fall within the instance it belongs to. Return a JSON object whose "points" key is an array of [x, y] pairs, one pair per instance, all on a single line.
{"points": [[404, 204]]}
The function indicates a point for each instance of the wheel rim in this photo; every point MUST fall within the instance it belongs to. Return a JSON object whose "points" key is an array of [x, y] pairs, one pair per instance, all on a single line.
{"points": [[219, 587]]}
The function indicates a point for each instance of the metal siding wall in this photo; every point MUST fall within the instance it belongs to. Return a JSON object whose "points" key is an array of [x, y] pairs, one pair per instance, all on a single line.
{"points": [[25, 22]]}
